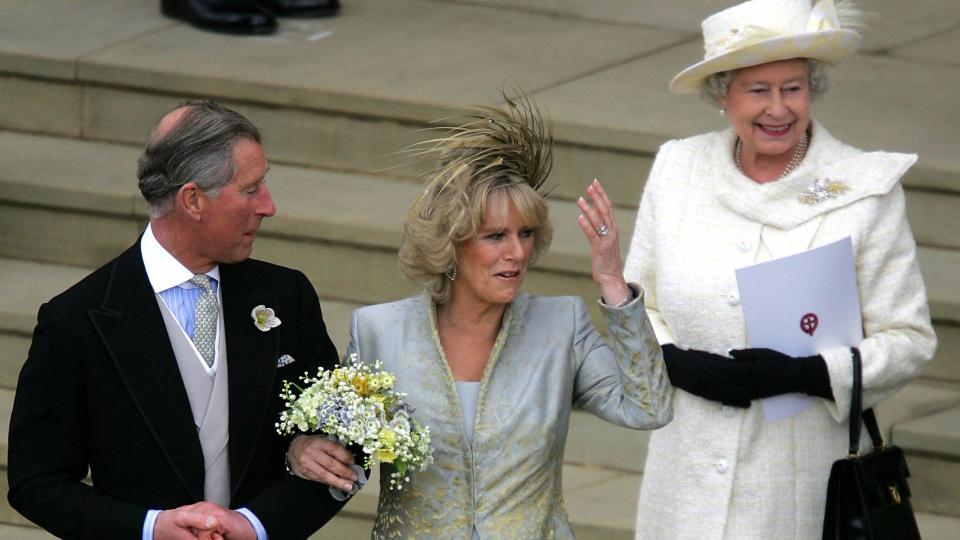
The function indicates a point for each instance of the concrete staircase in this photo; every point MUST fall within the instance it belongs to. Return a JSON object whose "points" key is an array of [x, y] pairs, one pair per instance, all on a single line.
{"points": [[336, 98]]}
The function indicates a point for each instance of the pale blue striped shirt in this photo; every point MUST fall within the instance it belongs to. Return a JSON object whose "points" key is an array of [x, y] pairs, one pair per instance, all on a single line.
{"points": [[182, 299]]}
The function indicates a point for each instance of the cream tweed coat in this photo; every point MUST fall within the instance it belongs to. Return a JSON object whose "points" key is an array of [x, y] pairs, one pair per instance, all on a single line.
{"points": [[721, 472]]}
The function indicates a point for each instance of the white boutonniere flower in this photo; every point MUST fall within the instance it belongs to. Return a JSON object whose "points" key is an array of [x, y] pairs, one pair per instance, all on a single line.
{"points": [[264, 318]]}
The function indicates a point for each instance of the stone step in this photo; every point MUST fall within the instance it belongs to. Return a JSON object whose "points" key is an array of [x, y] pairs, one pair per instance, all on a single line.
{"points": [[607, 100], [342, 229], [69, 202], [929, 440], [938, 433], [601, 505], [345, 93], [601, 458], [894, 25], [24, 285], [28, 532]]}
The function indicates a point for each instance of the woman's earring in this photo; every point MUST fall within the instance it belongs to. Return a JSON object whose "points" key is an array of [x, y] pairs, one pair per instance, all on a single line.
{"points": [[452, 273], [723, 111]]}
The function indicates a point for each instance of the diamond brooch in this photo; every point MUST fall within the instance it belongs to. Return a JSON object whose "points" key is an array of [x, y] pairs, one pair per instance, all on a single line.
{"points": [[821, 190]]}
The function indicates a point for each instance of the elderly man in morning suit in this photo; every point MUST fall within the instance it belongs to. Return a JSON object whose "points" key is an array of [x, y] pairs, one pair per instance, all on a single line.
{"points": [[153, 374]]}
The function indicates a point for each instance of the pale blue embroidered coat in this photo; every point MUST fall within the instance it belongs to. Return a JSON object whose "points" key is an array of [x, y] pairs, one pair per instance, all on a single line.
{"points": [[547, 357]]}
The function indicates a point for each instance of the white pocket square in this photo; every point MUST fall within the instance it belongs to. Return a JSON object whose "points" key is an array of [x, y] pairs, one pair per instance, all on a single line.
{"points": [[285, 360]]}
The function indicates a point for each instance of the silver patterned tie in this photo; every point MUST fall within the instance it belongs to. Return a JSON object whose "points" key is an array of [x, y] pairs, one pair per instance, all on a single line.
{"points": [[205, 319]]}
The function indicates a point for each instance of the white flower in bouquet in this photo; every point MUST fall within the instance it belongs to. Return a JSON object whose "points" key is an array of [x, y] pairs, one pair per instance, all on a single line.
{"points": [[357, 404]]}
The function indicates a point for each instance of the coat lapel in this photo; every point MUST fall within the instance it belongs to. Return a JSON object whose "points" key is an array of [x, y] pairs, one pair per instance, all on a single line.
{"points": [[252, 356], [132, 329]]}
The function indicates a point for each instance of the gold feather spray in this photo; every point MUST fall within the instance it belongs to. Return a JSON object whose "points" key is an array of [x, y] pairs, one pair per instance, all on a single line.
{"points": [[513, 141]]}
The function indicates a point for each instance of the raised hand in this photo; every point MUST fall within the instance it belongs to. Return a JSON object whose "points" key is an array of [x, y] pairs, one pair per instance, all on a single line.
{"points": [[601, 230]]}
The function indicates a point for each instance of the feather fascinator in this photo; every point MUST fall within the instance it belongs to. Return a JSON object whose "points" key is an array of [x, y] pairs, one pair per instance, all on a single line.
{"points": [[503, 149], [512, 142]]}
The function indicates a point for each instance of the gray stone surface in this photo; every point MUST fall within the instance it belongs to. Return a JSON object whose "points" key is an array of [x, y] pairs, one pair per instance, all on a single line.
{"points": [[327, 223], [343, 527], [344, 93], [68, 173], [915, 400], [946, 362], [628, 107], [896, 23], [41, 106], [934, 217], [940, 48], [13, 532], [25, 285], [378, 57], [938, 433], [596, 442], [939, 268], [6, 405], [56, 235], [13, 351], [683, 16], [333, 207], [933, 482], [936, 527], [889, 24], [46, 39], [611, 504]]}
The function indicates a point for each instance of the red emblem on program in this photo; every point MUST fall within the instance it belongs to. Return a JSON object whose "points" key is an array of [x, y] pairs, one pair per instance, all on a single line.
{"points": [[808, 323]]}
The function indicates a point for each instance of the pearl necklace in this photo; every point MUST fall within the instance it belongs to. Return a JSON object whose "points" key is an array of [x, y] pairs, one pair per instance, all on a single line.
{"points": [[798, 155]]}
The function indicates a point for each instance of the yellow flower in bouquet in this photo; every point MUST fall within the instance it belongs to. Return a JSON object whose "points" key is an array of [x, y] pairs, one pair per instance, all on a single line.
{"points": [[356, 403]]}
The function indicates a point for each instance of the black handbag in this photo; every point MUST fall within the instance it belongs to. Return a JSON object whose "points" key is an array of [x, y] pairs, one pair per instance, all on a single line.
{"points": [[867, 495]]}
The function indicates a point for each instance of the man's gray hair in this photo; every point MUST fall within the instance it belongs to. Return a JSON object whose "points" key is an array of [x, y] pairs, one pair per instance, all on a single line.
{"points": [[716, 86], [198, 148]]}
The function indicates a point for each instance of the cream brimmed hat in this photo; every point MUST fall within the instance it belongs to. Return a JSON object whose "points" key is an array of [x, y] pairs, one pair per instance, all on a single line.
{"points": [[761, 31]]}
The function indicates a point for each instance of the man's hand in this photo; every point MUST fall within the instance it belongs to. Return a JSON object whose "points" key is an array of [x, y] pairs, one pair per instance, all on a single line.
{"points": [[202, 521], [317, 458], [231, 525], [186, 523]]}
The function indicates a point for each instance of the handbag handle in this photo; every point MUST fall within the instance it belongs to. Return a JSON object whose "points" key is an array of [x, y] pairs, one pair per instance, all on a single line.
{"points": [[856, 404], [857, 414]]}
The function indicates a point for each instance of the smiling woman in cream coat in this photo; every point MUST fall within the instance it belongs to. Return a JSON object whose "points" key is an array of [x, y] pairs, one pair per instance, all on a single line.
{"points": [[724, 200]]}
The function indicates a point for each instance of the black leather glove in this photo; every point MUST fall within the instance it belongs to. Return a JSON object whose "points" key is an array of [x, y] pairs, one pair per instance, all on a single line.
{"points": [[772, 373], [708, 375]]}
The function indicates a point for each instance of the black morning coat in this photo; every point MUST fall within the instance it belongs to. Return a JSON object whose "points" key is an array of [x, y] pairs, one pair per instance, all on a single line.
{"points": [[101, 390]]}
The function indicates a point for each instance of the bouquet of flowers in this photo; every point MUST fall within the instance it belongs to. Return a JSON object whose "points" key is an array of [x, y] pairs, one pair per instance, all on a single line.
{"points": [[357, 404]]}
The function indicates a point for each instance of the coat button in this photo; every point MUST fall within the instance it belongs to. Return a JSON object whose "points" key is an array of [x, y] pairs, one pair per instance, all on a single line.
{"points": [[721, 466], [744, 246], [729, 411], [733, 298]]}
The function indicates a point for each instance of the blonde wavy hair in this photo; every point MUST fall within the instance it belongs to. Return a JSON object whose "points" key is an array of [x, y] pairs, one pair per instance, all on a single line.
{"points": [[501, 154]]}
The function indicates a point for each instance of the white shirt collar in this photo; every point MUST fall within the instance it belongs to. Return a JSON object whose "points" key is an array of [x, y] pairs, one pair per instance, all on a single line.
{"points": [[163, 270]]}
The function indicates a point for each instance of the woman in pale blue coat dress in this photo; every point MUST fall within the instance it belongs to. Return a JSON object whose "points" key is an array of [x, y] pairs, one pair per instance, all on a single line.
{"points": [[494, 371]]}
